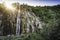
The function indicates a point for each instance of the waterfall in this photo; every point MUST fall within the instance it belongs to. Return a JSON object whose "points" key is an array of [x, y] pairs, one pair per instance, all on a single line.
{"points": [[33, 22], [29, 24], [18, 24]]}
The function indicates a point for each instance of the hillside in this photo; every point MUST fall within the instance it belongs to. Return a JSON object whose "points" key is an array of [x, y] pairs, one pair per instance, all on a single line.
{"points": [[36, 23]]}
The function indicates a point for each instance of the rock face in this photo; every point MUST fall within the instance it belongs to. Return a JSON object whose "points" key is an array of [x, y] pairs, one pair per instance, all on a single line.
{"points": [[20, 21]]}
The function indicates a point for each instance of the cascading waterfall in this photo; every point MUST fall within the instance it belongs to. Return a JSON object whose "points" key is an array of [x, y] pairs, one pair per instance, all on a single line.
{"points": [[28, 22], [18, 24], [33, 22]]}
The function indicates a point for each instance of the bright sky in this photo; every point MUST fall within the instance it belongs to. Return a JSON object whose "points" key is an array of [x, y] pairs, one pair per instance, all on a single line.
{"points": [[36, 2]]}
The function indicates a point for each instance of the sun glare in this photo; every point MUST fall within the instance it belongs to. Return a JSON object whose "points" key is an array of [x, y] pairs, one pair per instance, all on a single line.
{"points": [[9, 6]]}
